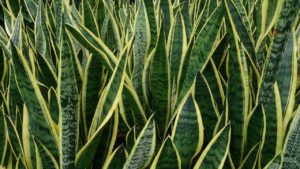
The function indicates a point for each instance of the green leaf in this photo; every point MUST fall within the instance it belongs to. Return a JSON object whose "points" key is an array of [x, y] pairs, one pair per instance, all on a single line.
{"points": [[166, 8], [167, 156], [3, 68], [205, 101], [13, 137], [95, 45], [237, 95], [2, 132], [140, 47], [117, 159], [282, 28], [159, 85], [40, 122], [200, 51], [188, 133], [275, 163], [47, 159], [68, 99], [250, 160], [90, 89], [13, 6], [240, 25], [89, 20], [143, 150], [291, 154], [104, 111], [286, 76], [215, 153], [186, 17], [256, 127], [152, 22], [178, 42]]}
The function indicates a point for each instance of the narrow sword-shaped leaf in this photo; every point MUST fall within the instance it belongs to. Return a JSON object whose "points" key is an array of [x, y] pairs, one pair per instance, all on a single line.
{"points": [[140, 47], [167, 156], [89, 20], [282, 28], [250, 160], [90, 89], [152, 22], [68, 99], [2, 131], [256, 127], [275, 163], [178, 41], [205, 101], [143, 150], [237, 95], [241, 27], [160, 85], [286, 75], [291, 154], [117, 159], [188, 133], [166, 8], [200, 51], [215, 153], [103, 114], [40, 122]]}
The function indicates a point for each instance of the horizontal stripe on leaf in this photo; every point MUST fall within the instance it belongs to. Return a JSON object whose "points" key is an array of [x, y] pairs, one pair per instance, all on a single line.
{"points": [[68, 98], [282, 28], [104, 112], [117, 159], [188, 132], [241, 25], [140, 47], [256, 127], [205, 101], [285, 77], [91, 86], [214, 155], [200, 51], [167, 156], [237, 95], [143, 150], [159, 85], [291, 154], [40, 123]]}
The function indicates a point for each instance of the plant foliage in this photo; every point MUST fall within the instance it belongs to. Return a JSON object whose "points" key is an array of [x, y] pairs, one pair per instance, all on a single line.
{"points": [[149, 84]]}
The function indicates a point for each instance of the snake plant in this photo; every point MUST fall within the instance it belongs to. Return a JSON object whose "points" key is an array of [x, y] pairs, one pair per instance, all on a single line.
{"points": [[166, 84]]}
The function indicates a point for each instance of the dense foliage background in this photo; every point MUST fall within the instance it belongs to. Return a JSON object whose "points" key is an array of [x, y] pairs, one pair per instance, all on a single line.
{"points": [[149, 84]]}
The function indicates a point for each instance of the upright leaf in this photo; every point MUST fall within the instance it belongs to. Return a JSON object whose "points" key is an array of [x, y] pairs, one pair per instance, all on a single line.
{"points": [[159, 84], [68, 99], [201, 50], [188, 133], [143, 150], [282, 28], [140, 47], [291, 154], [215, 153], [167, 156]]}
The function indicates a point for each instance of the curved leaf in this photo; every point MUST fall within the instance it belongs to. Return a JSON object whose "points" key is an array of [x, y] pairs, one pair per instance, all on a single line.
{"points": [[140, 47], [215, 153], [201, 49], [143, 150], [291, 154], [188, 133], [160, 85], [69, 120], [167, 156]]}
